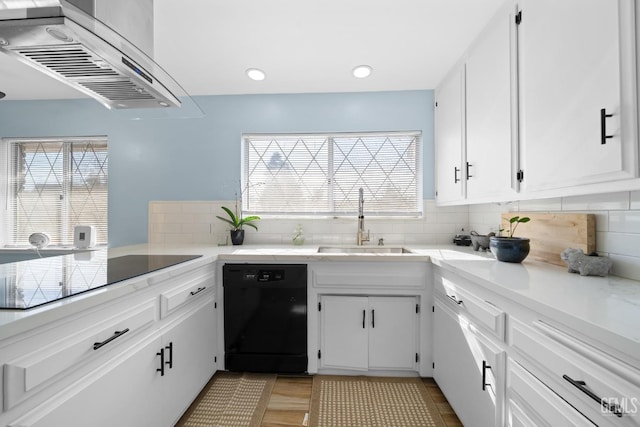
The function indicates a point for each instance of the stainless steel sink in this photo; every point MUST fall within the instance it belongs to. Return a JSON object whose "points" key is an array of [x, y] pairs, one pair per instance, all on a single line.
{"points": [[363, 250]]}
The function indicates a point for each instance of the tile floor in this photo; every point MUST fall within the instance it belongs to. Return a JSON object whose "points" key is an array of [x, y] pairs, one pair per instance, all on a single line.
{"points": [[291, 397]]}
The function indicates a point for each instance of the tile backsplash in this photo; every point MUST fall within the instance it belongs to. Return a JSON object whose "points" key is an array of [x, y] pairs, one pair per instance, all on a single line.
{"points": [[617, 225], [196, 222]]}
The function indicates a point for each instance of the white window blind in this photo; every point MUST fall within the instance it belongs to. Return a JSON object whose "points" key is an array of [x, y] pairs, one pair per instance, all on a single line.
{"points": [[56, 184], [320, 174]]}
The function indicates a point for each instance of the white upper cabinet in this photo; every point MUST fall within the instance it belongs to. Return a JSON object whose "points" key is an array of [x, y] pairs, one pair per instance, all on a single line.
{"points": [[449, 134], [488, 168], [577, 92]]}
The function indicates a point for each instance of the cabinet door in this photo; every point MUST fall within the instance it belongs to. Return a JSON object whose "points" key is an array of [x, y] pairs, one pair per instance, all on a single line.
{"points": [[125, 392], [344, 332], [392, 333], [190, 348], [488, 168], [449, 138], [569, 70], [468, 369]]}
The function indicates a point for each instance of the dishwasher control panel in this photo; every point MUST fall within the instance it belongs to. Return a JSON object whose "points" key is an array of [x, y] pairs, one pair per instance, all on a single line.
{"points": [[263, 275]]}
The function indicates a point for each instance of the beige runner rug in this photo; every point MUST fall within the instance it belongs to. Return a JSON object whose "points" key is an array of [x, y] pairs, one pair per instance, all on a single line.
{"points": [[231, 399], [340, 401]]}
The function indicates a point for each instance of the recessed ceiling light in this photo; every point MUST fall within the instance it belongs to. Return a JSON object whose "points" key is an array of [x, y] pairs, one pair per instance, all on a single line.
{"points": [[362, 71], [255, 74]]}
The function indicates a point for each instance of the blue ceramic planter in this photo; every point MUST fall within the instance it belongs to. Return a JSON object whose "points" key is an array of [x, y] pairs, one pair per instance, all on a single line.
{"points": [[509, 249]]}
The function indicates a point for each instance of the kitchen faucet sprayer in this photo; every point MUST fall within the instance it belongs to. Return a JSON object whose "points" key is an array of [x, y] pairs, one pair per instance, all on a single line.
{"points": [[360, 236]]}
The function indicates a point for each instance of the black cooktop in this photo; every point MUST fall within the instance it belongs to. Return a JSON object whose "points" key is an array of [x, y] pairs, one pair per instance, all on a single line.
{"points": [[29, 284]]}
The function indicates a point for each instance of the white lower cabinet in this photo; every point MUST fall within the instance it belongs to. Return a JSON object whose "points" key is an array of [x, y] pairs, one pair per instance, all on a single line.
{"points": [[149, 380], [468, 367], [368, 332]]}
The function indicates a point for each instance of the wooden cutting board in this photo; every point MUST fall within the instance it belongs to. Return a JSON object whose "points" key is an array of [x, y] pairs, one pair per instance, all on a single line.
{"points": [[551, 233]]}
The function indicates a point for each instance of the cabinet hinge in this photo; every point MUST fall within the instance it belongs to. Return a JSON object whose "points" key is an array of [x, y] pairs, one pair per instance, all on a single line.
{"points": [[417, 308], [518, 17], [319, 354], [319, 306], [520, 175], [417, 357]]}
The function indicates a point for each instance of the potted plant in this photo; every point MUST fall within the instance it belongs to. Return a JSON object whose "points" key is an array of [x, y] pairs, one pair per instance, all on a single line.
{"points": [[509, 248], [237, 222]]}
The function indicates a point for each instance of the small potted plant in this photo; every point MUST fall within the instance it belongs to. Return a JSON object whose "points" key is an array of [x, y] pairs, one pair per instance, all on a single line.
{"points": [[237, 222], [509, 248]]}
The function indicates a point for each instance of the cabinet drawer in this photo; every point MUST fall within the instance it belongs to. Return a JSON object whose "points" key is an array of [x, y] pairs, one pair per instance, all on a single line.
{"points": [[589, 379], [481, 311], [26, 374], [370, 275], [196, 287], [530, 403]]}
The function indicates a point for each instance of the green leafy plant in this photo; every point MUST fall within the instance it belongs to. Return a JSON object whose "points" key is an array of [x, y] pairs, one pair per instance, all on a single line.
{"points": [[236, 221], [515, 220]]}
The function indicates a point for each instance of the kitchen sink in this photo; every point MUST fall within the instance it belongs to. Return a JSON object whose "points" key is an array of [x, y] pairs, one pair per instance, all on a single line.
{"points": [[363, 250]]}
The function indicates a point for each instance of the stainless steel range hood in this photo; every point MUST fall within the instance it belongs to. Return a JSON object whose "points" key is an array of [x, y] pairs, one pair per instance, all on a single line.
{"points": [[85, 44]]}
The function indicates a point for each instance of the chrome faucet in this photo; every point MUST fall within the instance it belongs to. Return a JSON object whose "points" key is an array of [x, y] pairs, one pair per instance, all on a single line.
{"points": [[361, 237]]}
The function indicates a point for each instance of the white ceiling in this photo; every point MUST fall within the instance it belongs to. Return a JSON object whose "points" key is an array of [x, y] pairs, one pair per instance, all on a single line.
{"points": [[302, 45]]}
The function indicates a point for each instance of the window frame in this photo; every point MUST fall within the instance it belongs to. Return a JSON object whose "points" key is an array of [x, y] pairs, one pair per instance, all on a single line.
{"points": [[10, 187], [246, 184]]}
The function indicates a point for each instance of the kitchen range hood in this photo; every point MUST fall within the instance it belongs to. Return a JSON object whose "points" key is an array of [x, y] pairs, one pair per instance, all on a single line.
{"points": [[95, 46]]}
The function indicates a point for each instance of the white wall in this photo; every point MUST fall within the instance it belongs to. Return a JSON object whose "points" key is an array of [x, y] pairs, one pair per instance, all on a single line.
{"points": [[195, 222], [617, 223]]}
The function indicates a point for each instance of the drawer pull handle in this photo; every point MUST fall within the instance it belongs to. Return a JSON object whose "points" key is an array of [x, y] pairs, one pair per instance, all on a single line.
{"points": [[454, 299], [170, 361], [373, 318], [115, 335], [582, 386], [364, 314], [455, 175], [198, 291], [161, 368], [484, 375], [603, 126]]}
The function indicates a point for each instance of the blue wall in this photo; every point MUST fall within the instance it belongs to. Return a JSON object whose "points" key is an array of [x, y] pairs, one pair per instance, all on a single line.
{"points": [[197, 158]]}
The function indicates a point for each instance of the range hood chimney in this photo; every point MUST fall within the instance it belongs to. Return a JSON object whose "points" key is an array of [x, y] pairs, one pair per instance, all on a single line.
{"points": [[103, 48]]}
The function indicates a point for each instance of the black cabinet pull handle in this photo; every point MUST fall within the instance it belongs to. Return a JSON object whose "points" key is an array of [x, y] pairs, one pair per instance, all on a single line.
{"points": [[364, 314], [468, 174], [116, 334], [457, 301], [603, 126], [170, 361], [484, 375], [161, 368], [455, 175], [373, 318], [582, 386], [198, 291]]}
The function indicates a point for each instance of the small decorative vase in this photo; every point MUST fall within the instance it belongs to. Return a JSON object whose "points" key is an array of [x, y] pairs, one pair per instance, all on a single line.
{"points": [[298, 236], [509, 249], [237, 236]]}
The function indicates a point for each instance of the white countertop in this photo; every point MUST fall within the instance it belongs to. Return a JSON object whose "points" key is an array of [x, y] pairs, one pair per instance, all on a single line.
{"points": [[608, 306]]}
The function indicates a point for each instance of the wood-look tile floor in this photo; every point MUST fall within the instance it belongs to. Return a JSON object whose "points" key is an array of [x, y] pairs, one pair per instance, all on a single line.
{"points": [[291, 398]]}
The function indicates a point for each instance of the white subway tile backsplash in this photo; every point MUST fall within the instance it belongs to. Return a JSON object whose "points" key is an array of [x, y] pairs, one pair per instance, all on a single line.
{"points": [[542, 205], [624, 221], [597, 202], [619, 243], [634, 200], [617, 225]]}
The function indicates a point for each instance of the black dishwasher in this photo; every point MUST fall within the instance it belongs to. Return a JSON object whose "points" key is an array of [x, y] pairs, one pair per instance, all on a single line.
{"points": [[265, 317]]}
